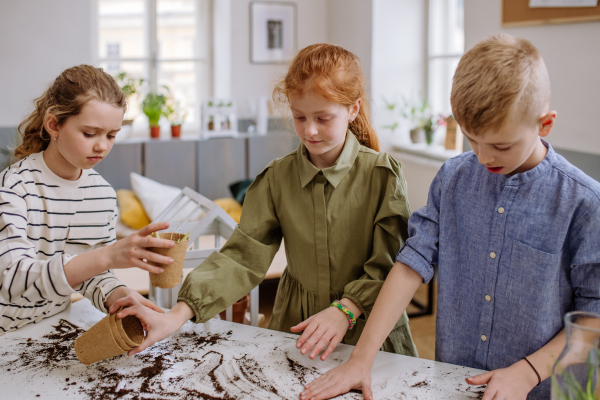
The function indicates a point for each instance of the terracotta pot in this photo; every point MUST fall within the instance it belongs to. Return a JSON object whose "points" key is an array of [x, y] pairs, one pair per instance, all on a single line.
{"points": [[155, 132], [239, 310], [175, 130]]}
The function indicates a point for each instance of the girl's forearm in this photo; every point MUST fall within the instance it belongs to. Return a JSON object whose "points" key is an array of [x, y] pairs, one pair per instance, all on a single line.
{"points": [[86, 266], [181, 313], [395, 295]]}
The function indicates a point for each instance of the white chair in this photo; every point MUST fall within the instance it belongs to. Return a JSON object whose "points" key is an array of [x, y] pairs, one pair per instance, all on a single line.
{"points": [[194, 213]]}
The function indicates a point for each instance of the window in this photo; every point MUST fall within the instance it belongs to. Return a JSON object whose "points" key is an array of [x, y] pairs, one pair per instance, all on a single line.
{"points": [[446, 46], [163, 41]]}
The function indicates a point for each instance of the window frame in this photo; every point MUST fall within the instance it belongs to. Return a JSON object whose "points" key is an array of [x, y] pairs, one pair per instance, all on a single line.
{"points": [[151, 62], [432, 56]]}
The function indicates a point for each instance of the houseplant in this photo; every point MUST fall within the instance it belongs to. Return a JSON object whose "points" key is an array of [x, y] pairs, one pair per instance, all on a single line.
{"points": [[419, 115], [131, 87], [176, 114], [154, 108]]}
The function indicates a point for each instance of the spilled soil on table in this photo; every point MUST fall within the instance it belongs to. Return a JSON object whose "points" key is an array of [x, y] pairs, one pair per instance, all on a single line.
{"points": [[154, 376]]}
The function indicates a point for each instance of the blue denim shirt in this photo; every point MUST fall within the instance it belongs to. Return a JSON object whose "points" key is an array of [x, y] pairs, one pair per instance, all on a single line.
{"points": [[514, 254]]}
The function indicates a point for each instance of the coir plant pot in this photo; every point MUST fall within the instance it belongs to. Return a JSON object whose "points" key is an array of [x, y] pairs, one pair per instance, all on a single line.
{"points": [[171, 275]]}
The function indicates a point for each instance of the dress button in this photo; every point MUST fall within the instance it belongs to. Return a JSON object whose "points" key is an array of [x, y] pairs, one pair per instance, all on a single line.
{"points": [[501, 210], [493, 255], [483, 337], [488, 297]]}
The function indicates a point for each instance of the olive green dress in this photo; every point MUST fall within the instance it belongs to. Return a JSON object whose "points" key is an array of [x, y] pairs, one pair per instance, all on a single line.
{"points": [[342, 225]]}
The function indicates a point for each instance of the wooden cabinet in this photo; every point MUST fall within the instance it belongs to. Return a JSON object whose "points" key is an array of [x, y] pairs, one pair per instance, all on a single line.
{"points": [[208, 166], [172, 162], [122, 159], [220, 163], [263, 149]]}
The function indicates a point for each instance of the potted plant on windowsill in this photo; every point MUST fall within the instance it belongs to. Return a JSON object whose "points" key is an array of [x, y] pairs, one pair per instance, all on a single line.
{"points": [[176, 115], [130, 87], [154, 108], [418, 112]]}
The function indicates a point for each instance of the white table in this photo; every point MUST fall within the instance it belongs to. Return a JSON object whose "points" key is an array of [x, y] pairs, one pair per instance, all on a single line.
{"points": [[215, 360]]}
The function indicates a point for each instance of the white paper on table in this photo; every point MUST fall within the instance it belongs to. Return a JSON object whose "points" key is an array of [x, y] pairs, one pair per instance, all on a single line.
{"points": [[562, 3]]}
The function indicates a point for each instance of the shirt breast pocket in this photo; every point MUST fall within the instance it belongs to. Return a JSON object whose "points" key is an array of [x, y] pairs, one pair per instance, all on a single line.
{"points": [[85, 236], [534, 275]]}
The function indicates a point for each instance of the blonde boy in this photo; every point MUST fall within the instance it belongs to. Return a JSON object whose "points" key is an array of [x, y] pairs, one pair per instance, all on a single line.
{"points": [[513, 228]]}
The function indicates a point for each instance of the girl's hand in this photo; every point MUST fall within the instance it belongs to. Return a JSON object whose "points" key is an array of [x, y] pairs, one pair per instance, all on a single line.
{"points": [[512, 383], [157, 325], [340, 380], [330, 325], [129, 296], [131, 251]]}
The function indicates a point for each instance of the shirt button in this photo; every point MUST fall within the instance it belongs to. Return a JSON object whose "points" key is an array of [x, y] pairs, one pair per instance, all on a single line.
{"points": [[483, 337], [501, 210], [488, 297], [493, 255]]}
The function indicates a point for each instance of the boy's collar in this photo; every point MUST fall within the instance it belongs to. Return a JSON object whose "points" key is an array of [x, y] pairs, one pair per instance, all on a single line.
{"points": [[337, 171], [539, 170]]}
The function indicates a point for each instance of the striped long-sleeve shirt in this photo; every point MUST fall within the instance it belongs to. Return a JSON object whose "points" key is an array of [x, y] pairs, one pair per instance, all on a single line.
{"points": [[44, 222]]}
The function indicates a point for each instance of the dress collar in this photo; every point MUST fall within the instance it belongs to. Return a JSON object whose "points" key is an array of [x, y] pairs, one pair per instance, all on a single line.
{"points": [[337, 171]]}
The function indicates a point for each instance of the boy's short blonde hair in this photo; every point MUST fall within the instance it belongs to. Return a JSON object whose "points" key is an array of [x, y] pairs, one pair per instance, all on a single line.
{"points": [[501, 77]]}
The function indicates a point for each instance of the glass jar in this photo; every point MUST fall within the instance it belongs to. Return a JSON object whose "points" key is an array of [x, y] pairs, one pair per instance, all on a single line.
{"points": [[575, 374]]}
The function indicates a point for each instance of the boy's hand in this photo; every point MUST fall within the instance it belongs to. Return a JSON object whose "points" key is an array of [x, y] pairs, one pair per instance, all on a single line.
{"points": [[340, 380], [512, 383], [157, 325], [327, 326], [131, 251]]}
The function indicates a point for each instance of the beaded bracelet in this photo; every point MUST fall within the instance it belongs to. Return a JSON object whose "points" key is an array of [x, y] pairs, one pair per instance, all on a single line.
{"points": [[345, 310]]}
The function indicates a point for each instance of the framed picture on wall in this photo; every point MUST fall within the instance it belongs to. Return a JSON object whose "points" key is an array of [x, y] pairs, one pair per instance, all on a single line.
{"points": [[272, 32]]}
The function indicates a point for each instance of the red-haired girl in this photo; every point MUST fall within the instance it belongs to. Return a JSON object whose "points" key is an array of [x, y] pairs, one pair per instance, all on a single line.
{"points": [[339, 204], [57, 216]]}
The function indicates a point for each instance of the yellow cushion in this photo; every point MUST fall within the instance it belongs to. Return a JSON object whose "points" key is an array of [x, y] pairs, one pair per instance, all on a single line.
{"points": [[231, 207], [132, 211]]}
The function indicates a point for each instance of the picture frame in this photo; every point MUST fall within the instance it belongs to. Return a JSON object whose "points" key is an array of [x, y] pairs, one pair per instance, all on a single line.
{"points": [[273, 32]]}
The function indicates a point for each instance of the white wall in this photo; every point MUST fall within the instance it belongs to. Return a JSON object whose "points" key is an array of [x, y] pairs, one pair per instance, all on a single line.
{"points": [[572, 54], [38, 39], [350, 25], [399, 58], [251, 80]]}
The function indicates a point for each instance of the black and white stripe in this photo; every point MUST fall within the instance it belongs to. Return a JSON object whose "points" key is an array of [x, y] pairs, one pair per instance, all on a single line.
{"points": [[44, 222]]}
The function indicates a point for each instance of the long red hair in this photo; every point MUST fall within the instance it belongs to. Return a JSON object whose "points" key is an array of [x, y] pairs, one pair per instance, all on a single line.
{"points": [[335, 75]]}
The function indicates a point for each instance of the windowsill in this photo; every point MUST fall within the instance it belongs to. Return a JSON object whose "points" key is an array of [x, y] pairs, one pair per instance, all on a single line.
{"points": [[188, 136], [432, 152]]}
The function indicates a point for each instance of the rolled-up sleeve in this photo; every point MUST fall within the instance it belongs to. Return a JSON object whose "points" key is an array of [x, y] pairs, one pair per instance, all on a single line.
{"points": [[585, 264], [420, 252]]}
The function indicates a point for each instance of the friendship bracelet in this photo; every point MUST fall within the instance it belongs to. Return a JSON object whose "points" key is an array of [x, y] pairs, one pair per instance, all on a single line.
{"points": [[534, 370], [345, 310]]}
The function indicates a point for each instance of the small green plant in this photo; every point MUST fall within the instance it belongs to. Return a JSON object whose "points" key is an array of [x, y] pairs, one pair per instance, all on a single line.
{"points": [[174, 112], [570, 389], [183, 239], [128, 84], [418, 113], [154, 107]]}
